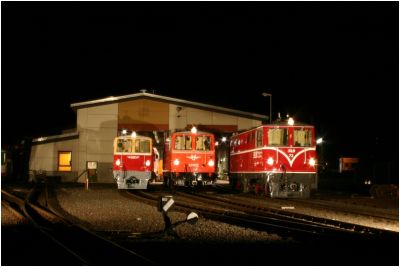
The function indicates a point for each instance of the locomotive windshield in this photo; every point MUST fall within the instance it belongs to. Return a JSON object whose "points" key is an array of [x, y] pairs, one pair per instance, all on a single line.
{"points": [[203, 143], [183, 142], [302, 137], [127, 145], [124, 145], [278, 137], [142, 146]]}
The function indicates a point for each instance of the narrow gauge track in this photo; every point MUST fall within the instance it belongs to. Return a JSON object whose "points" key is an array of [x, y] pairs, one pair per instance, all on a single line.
{"points": [[338, 206], [379, 214], [83, 246], [300, 230], [241, 205]]}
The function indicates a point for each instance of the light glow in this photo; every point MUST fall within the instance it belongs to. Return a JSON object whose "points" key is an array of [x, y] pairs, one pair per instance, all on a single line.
{"points": [[311, 162], [270, 161], [176, 162], [133, 135], [117, 162], [147, 163], [320, 140], [291, 121], [193, 130], [211, 163]]}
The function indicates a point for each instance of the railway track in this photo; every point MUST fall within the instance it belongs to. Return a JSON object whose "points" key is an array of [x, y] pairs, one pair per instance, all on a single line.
{"points": [[243, 205], [351, 208], [259, 219], [341, 205], [80, 245]]}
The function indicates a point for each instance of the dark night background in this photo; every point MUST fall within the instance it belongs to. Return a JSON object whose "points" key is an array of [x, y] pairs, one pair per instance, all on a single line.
{"points": [[332, 64]]}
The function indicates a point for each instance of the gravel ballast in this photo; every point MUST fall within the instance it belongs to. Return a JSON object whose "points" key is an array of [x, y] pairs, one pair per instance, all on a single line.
{"points": [[107, 209]]}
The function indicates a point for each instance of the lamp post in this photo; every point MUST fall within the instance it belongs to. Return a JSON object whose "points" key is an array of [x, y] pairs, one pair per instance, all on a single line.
{"points": [[270, 105]]}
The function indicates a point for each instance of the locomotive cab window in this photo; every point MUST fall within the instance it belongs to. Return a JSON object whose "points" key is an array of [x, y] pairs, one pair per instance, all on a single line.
{"points": [[124, 145], [278, 137], [183, 142], [203, 143], [302, 137], [142, 146]]}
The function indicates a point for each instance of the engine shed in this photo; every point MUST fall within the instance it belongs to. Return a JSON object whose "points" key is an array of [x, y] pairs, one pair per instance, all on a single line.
{"points": [[87, 151]]}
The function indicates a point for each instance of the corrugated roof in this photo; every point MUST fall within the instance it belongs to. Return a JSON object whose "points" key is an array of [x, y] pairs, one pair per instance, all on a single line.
{"points": [[176, 101], [55, 138]]}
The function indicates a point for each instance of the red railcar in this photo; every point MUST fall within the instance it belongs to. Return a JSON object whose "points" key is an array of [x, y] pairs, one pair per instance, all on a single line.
{"points": [[133, 161], [277, 159], [189, 159]]}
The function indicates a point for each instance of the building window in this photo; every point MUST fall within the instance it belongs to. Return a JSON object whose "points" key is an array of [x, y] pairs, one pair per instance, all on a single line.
{"points": [[64, 161]]}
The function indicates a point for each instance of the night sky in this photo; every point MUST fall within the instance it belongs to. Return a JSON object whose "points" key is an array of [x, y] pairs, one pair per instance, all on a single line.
{"points": [[332, 64]]}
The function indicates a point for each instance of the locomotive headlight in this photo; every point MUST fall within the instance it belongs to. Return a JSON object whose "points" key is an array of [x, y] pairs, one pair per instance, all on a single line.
{"points": [[176, 162], [311, 162], [117, 162], [210, 163], [270, 161], [147, 163]]}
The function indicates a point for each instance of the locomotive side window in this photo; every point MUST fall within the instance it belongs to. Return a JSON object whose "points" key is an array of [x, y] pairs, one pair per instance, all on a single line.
{"points": [[183, 142], [302, 137], [142, 146], [203, 143], [277, 137], [124, 145], [259, 135]]}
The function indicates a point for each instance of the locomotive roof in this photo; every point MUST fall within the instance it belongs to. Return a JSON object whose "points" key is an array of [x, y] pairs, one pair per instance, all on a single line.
{"points": [[277, 123], [137, 136], [189, 132], [285, 123], [176, 101], [55, 138]]}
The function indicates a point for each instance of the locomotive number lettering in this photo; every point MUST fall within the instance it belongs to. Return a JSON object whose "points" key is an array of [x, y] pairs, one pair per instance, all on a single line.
{"points": [[257, 154], [291, 155], [133, 157], [291, 150]]}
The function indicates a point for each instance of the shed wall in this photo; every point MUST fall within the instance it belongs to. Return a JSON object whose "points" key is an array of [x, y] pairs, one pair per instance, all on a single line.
{"points": [[97, 127], [44, 157]]}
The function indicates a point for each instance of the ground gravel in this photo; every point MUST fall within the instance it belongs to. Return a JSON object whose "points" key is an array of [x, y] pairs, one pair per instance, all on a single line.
{"points": [[106, 209], [9, 217]]}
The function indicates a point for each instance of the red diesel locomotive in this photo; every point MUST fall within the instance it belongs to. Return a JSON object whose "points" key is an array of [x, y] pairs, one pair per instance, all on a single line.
{"points": [[133, 161], [276, 159], [189, 159]]}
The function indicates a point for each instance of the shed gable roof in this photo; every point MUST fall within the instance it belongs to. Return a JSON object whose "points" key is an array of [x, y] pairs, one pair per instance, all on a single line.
{"points": [[171, 100]]}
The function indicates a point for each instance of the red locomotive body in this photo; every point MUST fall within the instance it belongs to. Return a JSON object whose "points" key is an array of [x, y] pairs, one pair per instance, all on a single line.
{"points": [[133, 161], [189, 159], [277, 159]]}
